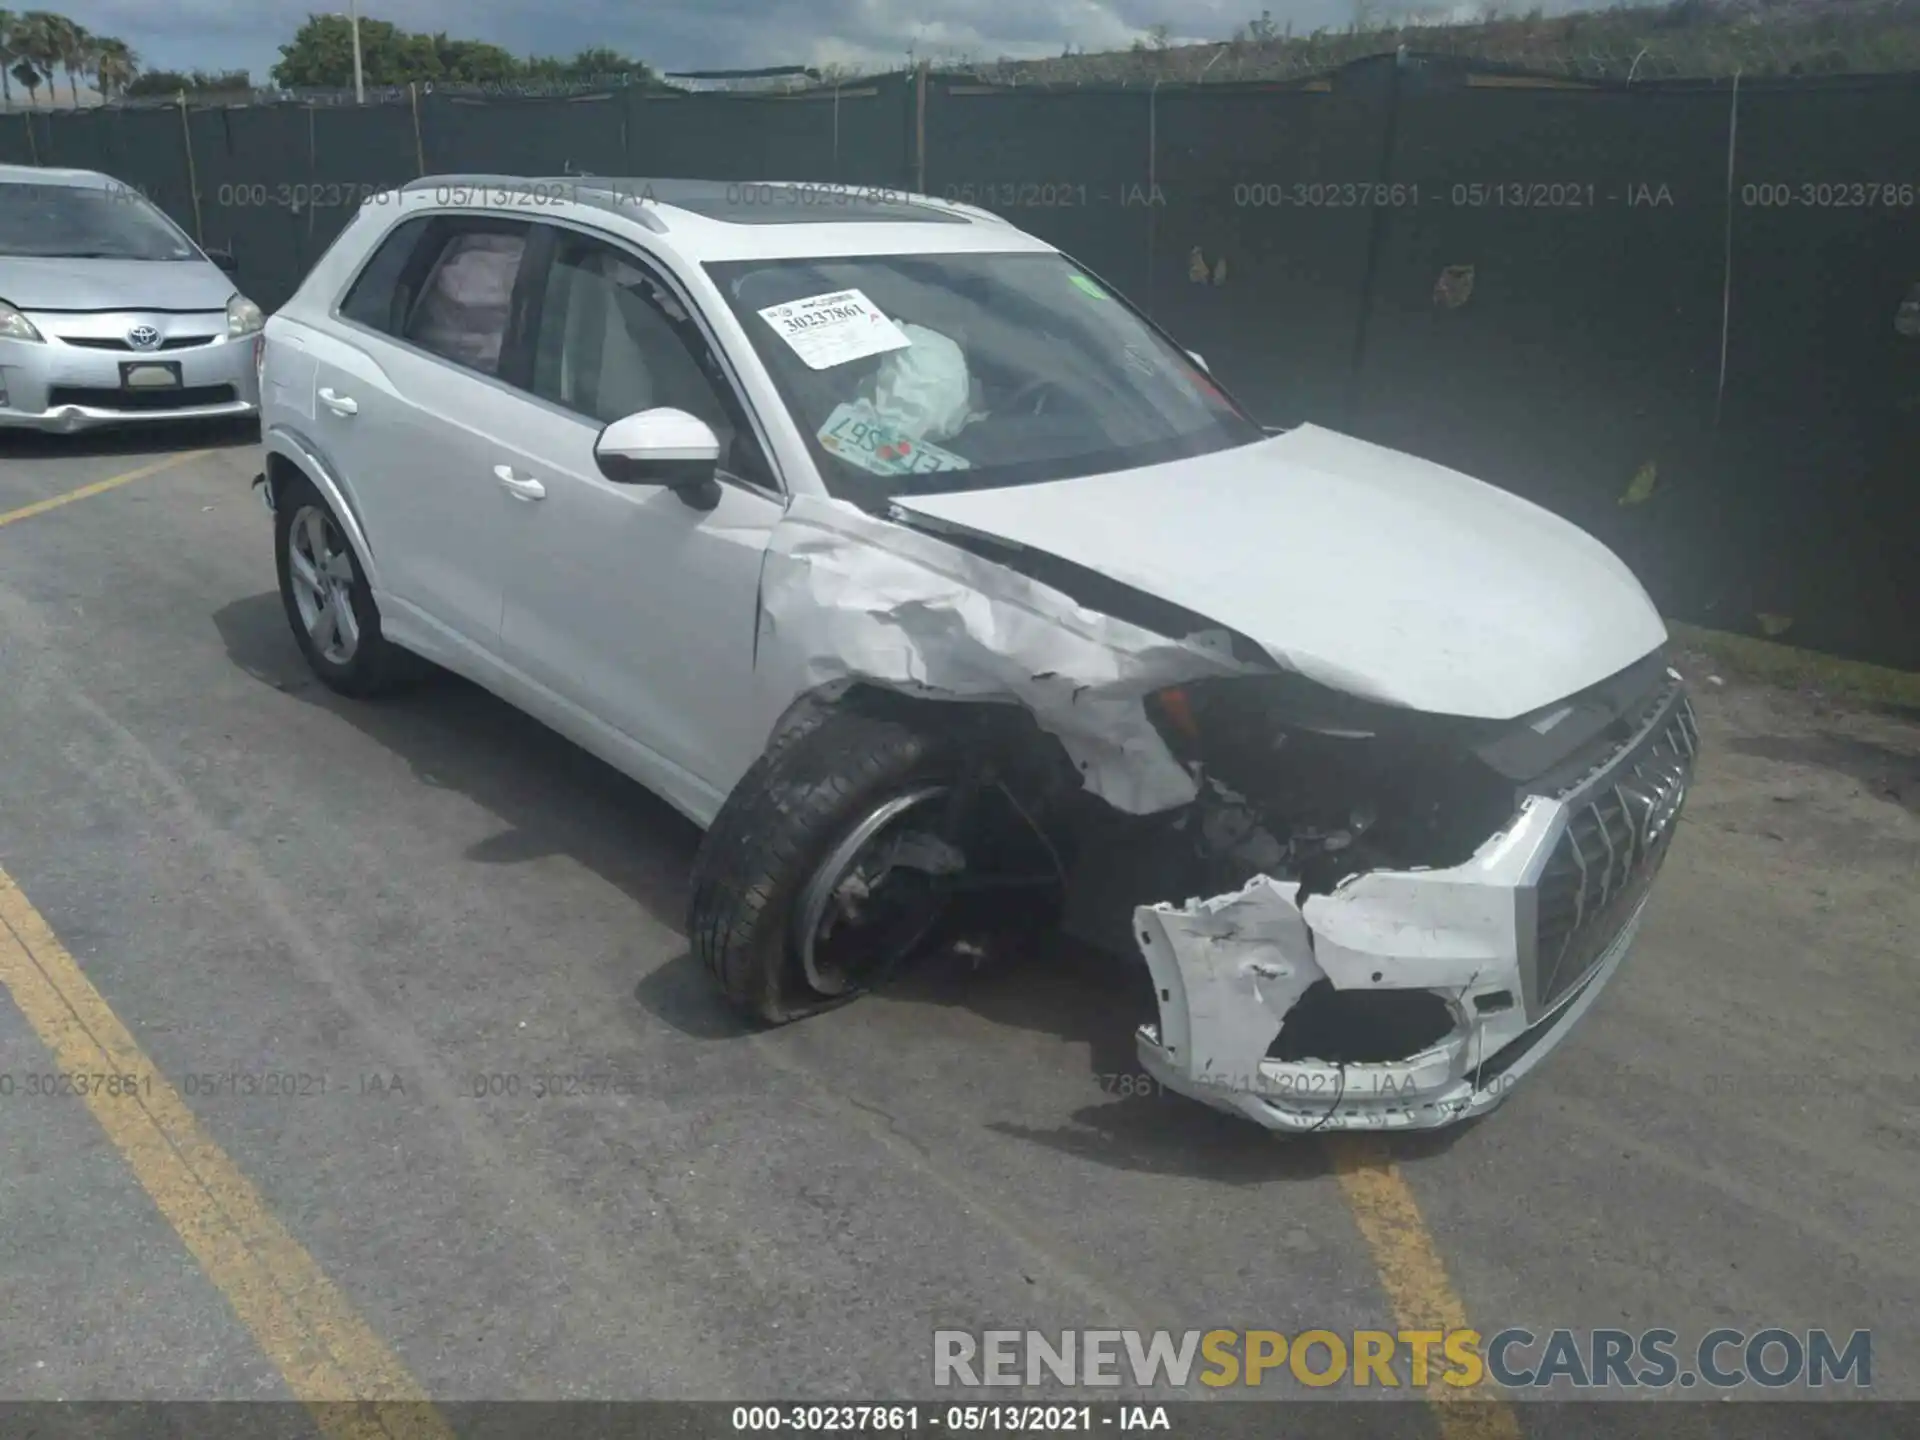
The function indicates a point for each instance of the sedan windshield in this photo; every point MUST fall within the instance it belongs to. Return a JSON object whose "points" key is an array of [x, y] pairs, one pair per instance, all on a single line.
{"points": [[86, 222], [914, 374]]}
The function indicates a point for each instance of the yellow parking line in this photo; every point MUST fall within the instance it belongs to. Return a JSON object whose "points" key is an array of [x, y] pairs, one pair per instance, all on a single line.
{"points": [[113, 482], [1416, 1281], [355, 1386]]}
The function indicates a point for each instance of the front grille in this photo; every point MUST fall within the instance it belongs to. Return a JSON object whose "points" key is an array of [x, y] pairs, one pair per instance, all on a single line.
{"points": [[1617, 834], [172, 342], [134, 402]]}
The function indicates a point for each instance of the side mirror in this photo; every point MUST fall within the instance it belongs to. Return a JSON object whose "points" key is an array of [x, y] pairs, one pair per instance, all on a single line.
{"points": [[226, 260], [663, 447], [1200, 360]]}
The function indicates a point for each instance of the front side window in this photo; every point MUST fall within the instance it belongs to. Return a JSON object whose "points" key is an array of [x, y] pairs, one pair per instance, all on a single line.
{"points": [[74, 222], [914, 374], [466, 299], [612, 340]]}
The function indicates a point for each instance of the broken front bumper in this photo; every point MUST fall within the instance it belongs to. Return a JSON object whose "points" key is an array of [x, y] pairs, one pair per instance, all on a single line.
{"points": [[1515, 944]]}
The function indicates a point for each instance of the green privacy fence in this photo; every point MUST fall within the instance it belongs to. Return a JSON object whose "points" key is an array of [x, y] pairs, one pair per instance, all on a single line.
{"points": [[1683, 314]]}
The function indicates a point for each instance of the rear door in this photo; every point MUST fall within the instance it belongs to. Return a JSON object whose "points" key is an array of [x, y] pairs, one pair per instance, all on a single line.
{"points": [[421, 413]]}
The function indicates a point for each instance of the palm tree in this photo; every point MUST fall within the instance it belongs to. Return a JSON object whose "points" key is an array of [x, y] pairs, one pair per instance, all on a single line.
{"points": [[7, 58], [57, 38], [90, 61], [116, 65], [75, 41], [36, 48], [29, 77]]}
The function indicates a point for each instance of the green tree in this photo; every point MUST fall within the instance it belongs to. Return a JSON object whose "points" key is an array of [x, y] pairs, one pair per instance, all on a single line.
{"points": [[598, 62], [321, 53], [320, 56], [473, 62], [115, 66], [196, 82]]}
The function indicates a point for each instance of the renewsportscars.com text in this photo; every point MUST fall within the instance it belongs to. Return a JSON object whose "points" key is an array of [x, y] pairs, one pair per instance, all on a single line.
{"points": [[1771, 1358]]}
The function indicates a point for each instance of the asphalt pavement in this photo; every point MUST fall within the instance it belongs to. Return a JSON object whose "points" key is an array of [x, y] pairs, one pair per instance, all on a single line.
{"points": [[412, 971]]}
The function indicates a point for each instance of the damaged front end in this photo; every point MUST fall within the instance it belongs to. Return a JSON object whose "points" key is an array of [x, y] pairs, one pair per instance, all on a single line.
{"points": [[1409, 910], [1412, 910]]}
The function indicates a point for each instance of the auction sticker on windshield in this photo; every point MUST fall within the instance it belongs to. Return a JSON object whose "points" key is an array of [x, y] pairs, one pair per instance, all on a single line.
{"points": [[856, 433], [829, 330]]}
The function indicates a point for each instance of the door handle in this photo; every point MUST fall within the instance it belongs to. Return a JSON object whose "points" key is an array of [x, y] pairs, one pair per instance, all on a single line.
{"points": [[519, 486], [338, 403]]}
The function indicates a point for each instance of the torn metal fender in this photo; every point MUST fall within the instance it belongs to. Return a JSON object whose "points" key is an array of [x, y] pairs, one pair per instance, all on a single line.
{"points": [[846, 596]]}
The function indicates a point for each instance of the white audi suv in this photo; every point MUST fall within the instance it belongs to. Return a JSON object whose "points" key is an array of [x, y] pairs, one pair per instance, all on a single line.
{"points": [[904, 555]]}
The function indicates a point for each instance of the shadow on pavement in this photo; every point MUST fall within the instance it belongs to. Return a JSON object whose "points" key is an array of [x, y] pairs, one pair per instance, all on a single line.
{"points": [[556, 799]]}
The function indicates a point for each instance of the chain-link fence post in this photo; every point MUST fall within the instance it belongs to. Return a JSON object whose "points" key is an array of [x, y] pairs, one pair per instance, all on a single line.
{"points": [[920, 128], [193, 175], [419, 141]]}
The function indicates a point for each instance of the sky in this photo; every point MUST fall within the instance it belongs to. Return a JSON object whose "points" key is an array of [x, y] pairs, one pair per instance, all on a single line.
{"points": [[706, 34]]}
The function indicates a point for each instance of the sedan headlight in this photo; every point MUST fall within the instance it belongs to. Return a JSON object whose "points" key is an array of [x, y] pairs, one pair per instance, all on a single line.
{"points": [[243, 316], [15, 326]]}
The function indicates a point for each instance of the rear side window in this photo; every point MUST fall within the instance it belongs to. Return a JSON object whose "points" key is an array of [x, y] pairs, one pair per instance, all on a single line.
{"points": [[445, 284], [466, 299], [378, 298]]}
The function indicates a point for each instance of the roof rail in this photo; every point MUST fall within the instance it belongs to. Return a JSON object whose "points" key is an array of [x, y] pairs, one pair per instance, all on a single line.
{"points": [[956, 207], [603, 192], [435, 182], [617, 198]]}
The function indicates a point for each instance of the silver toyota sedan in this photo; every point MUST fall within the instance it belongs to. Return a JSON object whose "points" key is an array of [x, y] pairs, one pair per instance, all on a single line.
{"points": [[110, 314]]}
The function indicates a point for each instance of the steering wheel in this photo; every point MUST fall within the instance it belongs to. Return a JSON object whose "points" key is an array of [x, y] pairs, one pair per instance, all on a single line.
{"points": [[1035, 391]]}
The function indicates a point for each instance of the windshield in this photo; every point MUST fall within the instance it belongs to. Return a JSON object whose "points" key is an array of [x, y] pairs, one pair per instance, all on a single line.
{"points": [[912, 374], [72, 222]]}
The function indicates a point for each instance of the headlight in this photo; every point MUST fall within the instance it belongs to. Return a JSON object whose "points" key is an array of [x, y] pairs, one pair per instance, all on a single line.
{"points": [[15, 326], [243, 316]]}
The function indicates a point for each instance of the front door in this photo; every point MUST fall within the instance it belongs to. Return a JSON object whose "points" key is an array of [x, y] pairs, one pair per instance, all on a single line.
{"points": [[625, 599]]}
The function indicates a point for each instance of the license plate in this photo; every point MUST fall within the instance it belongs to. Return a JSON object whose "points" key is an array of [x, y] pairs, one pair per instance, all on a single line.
{"points": [[136, 376]]}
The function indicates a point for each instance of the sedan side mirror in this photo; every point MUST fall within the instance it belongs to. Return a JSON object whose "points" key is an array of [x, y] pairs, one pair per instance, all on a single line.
{"points": [[1200, 360], [226, 260], [663, 447]]}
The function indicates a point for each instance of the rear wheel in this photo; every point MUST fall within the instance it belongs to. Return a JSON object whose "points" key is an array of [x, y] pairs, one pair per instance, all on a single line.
{"points": [[828, 865], [326, 596]]}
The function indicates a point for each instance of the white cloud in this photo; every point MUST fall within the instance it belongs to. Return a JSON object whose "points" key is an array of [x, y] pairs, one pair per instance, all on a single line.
{"points": [[686, 34]]}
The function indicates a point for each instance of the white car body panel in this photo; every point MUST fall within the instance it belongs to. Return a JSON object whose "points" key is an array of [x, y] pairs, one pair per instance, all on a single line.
{"points": [[670, 640], [613, 586], [1376, 573], [847, 596]]}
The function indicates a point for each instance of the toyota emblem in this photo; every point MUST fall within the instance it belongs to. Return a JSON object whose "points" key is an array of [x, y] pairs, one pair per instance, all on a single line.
{"points": [[143, 337]]}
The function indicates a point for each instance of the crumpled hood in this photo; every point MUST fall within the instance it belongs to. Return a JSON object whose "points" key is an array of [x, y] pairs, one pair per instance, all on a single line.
{"points": [[1365, 569], [36, 283]]}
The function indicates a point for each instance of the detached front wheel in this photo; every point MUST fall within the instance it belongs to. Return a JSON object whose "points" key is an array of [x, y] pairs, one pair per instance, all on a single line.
{"points": [[828, 865]]}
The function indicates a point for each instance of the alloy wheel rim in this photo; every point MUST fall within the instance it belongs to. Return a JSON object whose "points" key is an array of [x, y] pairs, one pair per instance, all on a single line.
{"points": [[877, 894], [321, 569]]}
